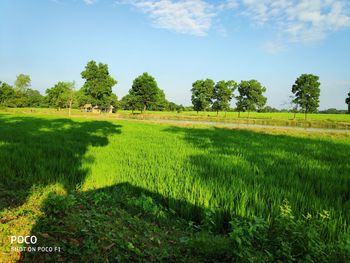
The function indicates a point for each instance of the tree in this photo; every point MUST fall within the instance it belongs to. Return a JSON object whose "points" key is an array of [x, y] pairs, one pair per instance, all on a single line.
{"points": [[7, 95], [33, 98], [202, 94], [22, 82], [347, 101], [129, 102], [61, 95], [98, 84], [223, 94], [144, 91], [250, 96], [306, 90]]}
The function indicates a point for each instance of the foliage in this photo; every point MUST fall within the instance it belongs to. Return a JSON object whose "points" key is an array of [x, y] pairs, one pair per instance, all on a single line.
{"points": [[7, 95], [205, 176], [306, 90], [98, 84], [202, 94], [347, 101], [145, 92], [223, 94], [250, 96], [22, 83], [60, 95]]}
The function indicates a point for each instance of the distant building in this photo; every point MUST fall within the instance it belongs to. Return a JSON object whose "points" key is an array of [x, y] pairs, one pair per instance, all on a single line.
{"points": [[87, 108], [95, 109], [110, 109]]}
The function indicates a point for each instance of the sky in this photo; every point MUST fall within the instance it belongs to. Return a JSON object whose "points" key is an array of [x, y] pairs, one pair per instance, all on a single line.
{"points": [[180, 41]]}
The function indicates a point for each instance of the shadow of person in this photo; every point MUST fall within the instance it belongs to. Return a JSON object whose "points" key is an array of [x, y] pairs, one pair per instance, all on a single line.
{"points": [[44, 151]]}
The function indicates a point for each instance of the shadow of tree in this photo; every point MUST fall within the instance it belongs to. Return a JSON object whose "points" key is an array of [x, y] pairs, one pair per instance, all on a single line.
{"points": [[120, 223], [44, 151], [251, 173]]}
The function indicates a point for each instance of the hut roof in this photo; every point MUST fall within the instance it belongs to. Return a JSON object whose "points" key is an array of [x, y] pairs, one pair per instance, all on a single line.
{"points": [[87, 106]]}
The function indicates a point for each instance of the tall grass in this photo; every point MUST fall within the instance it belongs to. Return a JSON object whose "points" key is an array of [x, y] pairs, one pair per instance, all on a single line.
{"points": [[200, 172]]}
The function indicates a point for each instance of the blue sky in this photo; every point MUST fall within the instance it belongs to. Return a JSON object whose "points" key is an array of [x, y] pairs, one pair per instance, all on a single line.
{"points": [[178, 42]]}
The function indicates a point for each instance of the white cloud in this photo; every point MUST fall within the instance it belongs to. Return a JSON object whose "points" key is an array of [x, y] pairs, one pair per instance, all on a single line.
{"points": [[274, 47], [300, 20], [184, 16], [90, 2]]}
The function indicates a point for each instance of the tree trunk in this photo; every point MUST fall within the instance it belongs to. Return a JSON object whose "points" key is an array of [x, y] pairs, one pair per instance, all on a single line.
{"points": [[217, 113], [295, 112], [239, 114], [144, 107], [70, 108], [305, 115]]}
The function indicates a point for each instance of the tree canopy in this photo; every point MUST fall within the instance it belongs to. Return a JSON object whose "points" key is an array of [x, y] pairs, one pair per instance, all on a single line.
{"points": [[306, 90], [202, 94], [347, 101], [223, 94], [22, 82], [144, 91], [60, 95], [98, 84], [250, 96]]}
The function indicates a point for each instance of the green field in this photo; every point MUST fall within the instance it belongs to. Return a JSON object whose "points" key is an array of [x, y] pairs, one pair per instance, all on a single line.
{"points": [[129, 190], [337, 121]]}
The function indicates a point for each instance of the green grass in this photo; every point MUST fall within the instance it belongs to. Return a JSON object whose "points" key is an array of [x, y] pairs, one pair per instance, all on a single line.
{"points": [[161, 179], [338, 121]]}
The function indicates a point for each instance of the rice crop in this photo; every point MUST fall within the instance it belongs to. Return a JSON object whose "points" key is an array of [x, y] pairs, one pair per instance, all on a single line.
{"points": [[202, 173]]}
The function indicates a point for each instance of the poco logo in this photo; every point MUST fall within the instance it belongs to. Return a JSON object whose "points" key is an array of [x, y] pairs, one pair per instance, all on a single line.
{"points": [[24, 239]]}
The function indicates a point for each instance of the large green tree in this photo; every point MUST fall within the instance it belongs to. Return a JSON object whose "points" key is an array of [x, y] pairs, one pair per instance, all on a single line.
{"points": [[61, 95], [222, 95], [22, 82], [98, 84], [306, 90], [347, 101], [7, 95], [251, 96], [129, 102], [202, 94], [145, 91]]}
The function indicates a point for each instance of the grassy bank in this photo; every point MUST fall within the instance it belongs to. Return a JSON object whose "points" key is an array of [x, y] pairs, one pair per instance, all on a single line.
{"points": [[139, 191]]}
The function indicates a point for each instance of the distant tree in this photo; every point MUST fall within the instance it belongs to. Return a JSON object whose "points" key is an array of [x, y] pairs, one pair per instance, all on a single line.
{"points": [[22, 82], [129, 102], [61, 95], [98, 84], [202, 94], [144, 91], [250, 96], [7, 95], [222, 95], [306, 90], [347, 101], [160, 103], [268, 109], [33, 98]]}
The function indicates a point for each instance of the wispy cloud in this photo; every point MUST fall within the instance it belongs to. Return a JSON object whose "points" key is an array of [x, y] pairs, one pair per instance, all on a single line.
{"points": [[292, 20], [184, 16], [300, 20], [90, 2]]}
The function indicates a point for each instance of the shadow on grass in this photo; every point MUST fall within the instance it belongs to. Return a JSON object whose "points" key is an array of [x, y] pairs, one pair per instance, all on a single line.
{"points": [[121, 223], [44, 151], [251, 173]]}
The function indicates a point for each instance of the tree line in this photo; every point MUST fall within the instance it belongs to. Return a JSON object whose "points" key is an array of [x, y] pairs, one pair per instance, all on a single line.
{"points": [[146, 95]]}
